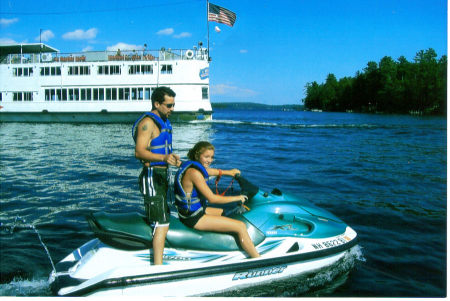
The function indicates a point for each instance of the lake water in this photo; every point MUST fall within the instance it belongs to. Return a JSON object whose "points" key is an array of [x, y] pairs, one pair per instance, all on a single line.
{"points": [[384, 175]]}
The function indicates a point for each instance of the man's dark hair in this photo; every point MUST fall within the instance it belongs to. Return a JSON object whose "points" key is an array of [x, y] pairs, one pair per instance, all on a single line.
{"points": [[158, 95]]}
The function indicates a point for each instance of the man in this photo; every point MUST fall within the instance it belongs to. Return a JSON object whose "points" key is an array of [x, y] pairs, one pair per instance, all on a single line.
{"points": [[152, 133]]}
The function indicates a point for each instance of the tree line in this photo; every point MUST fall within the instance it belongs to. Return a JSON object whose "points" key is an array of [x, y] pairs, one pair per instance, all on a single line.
{"points": [[418, 87]]}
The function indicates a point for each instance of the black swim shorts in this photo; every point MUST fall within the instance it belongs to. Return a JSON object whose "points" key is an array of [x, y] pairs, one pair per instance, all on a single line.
{"points": [[191, 220], [153, 184]]}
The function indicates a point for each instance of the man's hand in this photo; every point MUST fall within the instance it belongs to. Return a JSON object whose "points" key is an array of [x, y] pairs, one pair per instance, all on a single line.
{"points": [[172, 159]]}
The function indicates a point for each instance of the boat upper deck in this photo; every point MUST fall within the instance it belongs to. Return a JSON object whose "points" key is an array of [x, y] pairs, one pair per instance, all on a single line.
{"points": [[42, 53]]}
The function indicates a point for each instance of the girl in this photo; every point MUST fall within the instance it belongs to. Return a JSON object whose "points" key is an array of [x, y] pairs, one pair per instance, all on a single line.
{"points": [[192, 193]]}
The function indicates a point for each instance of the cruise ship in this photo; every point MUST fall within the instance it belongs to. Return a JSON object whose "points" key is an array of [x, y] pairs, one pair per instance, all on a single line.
{"points": [[38, 83]]}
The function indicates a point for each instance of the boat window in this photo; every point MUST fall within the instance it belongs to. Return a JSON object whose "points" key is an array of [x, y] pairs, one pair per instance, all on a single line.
{"points": [[147, 69], [127, 94], [140, 69], [147, 93], [101, 94], [83, 94], [50, 71], [73, 70], [140, 93], [133, 93], [205, 93], [109, 70], [111, 94], [53, 95], [28, 96], [17, 96], [108, 93], [133, 69], [78, 70], [166, 69], [115, 69], [27, 71], [71, 94], [85, 70], [95, 93]]}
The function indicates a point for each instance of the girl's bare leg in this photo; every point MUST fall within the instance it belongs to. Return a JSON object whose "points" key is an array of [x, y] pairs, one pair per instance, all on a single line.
{"points": [[225, 224]]}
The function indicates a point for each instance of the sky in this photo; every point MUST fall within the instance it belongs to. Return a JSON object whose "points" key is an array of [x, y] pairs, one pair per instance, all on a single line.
{"points": [[273, 50]]}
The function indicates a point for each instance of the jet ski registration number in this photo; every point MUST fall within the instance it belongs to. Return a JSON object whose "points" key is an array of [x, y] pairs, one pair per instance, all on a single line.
{"points": [[340, 240]]}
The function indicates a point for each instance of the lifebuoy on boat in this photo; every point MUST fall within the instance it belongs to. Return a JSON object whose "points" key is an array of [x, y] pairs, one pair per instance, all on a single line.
{"points": [[189, 54]]}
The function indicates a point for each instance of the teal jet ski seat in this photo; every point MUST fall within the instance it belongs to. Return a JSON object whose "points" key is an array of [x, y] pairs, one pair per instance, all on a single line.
{"points": [[131, 231]]}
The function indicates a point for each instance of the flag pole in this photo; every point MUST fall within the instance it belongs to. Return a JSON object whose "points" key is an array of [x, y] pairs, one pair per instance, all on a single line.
{"points": [[207, 23]]}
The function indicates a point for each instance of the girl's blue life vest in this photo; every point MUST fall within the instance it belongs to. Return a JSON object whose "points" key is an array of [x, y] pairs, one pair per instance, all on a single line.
{"points": [[163, 143], [193, 203]]}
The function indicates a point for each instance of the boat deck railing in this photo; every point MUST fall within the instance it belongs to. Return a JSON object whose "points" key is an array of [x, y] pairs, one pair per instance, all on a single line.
{"points": [[107, 56]]}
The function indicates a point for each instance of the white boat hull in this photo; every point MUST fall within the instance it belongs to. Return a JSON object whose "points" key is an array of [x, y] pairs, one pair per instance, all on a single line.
{"points": [[94, 117]]}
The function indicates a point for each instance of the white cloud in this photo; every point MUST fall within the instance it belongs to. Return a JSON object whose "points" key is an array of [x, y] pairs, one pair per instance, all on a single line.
{"points": [[165, 32], [80, 34], [227, 90], [7, 22], [182, 35], [45, 36], [124, 46], [170, 32], [88, 48], [7, 41], [243, 51]]}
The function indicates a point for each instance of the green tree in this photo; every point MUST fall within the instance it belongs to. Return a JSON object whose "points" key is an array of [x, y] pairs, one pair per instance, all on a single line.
{"points": [[387, 95], [329, 95], [312, 100]]}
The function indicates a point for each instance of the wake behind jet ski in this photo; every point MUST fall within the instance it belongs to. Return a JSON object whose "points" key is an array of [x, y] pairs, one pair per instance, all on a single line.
{"points": [[294, 238]]}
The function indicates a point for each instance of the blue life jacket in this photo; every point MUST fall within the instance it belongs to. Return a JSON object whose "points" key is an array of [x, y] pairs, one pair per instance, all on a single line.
{"points": [[163, 143], [189, 205]]}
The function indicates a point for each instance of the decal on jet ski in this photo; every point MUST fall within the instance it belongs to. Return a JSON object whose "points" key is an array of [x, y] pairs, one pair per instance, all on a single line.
{"points": [[177, 258], [268, 246], [260, 272], [283, 227], [331, 243]]}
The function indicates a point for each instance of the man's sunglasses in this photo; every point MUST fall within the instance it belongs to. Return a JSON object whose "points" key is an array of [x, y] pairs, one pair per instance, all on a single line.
{"points": [[169, 106]]}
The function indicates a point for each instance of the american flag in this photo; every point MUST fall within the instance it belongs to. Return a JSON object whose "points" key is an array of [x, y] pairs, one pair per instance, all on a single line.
{"points": [[221, 15]]}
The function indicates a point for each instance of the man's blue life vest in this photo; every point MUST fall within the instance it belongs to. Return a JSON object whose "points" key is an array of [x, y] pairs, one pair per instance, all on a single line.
{"points": [[163, 143], [189, 205]]}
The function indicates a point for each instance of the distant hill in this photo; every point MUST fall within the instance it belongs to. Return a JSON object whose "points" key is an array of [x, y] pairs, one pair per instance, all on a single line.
{"points": [[255, 106]]}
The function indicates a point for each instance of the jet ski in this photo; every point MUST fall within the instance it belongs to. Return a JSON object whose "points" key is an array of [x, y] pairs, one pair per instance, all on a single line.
{"points": [[293, 237]]}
